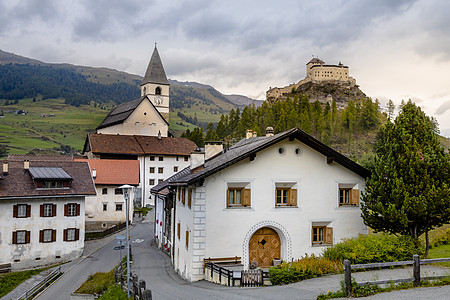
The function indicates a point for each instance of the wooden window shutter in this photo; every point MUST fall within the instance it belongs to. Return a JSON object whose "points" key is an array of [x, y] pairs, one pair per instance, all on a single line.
{"points": [[15, 211], [78, 210], [183, 195], [66, 210], [179, 194], [77, 234], [54, 235], [246, 197], [27, 237], [329, 235], [53, 210], [65, 235], [41, 236], [292, 197], [178, 230], [187, 238], [42, 210], [189, 198], [228, 197], [354, 198], [28, 211], [14, 237]]}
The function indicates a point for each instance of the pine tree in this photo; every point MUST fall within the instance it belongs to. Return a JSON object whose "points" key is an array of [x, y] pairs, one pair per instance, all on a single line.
{"points": [[408, 191]]}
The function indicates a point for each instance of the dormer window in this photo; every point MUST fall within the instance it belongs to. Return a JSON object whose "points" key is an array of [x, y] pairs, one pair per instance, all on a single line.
{"points": [[50, 178]]}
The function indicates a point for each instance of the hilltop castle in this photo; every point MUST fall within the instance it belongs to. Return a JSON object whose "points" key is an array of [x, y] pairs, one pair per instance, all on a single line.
{"points": [[316, 71]]}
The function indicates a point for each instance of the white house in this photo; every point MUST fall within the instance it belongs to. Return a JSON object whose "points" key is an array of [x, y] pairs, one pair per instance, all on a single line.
{"points": [[42, 210], [107, 208], [272, 197]]}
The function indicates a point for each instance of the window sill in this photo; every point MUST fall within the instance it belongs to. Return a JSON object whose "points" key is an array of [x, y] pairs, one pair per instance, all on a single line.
{"points": [[321, 245], [347, 206], [238, 208], [285, 206]]}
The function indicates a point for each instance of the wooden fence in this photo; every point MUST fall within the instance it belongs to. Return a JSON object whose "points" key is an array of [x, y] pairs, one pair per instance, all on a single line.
{"points": [[137, 287], [40, 286], [5, 268], [99, 234], [416, 262], [246, 278]]}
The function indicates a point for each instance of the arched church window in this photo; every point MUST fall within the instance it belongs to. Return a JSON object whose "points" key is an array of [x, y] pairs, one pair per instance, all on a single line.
{"points": [[158, 91], [145, 90]]}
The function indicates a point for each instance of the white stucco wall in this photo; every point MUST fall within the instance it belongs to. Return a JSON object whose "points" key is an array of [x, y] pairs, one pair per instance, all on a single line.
{"points": [[94, 206], [168, 163], [45, 252], [225, 232]]}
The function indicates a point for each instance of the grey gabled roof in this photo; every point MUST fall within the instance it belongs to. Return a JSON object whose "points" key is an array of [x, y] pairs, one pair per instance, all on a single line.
{"points": [[155, 71], [49, 173], [249, 148], [121, 112]]}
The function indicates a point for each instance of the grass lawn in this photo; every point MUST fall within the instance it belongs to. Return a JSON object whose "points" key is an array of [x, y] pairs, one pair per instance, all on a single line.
{"points": [[10, 281], [442, 251]]}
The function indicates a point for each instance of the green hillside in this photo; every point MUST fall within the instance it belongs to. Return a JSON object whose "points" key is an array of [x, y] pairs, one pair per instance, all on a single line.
{"points": [[23, 133]]}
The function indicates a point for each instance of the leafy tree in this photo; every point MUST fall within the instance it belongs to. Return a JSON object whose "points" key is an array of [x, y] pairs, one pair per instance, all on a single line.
{"points": [[391, 109], [408, 191]]}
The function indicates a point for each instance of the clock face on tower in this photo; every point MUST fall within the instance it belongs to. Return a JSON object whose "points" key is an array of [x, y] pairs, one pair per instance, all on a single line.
{"points": [[158, 100]]}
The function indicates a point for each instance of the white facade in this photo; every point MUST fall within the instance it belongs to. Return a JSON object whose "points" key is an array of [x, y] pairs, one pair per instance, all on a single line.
{"points": [[36, 252], [216, 230], [108, 206], [154, 169]]}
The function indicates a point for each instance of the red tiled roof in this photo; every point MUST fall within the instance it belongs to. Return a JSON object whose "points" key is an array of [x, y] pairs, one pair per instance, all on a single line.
{"points": [[114, 171], [139, 144], [19, 183]]}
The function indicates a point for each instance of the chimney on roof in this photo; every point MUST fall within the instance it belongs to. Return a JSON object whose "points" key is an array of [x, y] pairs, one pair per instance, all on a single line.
{"points": [[269, 131], [255, 134], [212, 148], [94, 173], [197, 158], [5, 168], [26, 164], [249, 134]]}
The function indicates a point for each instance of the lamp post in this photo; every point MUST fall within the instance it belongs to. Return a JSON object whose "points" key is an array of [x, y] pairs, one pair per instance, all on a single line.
{"points": [[125, 189]]}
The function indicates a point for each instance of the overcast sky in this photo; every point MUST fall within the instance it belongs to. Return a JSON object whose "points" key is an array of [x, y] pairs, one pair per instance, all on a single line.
{"points": [[394, 49]]}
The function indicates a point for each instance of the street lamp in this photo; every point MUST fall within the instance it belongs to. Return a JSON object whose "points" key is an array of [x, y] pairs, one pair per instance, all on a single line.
{"points": [[125, 189]]}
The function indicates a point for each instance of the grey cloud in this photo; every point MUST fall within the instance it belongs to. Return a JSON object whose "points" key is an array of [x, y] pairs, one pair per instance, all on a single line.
{"points": [[443, 108]]}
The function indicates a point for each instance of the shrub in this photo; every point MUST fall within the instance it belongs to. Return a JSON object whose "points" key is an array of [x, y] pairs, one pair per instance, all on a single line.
{"points": [[373, 248], [440, 237], [305, 268], [114, 292]]}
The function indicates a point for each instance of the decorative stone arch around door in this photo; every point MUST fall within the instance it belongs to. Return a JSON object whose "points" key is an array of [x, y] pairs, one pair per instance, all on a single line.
{"points": [[285, 239]]}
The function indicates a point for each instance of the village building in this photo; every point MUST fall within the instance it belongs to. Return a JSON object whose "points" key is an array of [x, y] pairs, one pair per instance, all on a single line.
{"points": [[42, 206], [107, 208], [316, 71], [139, 130], [266, 199]]}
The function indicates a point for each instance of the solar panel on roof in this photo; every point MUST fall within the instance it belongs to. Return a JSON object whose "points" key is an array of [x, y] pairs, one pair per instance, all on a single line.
{"points": [[49, 173]]}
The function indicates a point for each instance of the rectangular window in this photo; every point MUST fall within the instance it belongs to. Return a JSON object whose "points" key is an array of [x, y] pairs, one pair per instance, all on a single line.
{"points": [[177, 158], [189, 198], [160, 181], [187, 239], [286, 195], [183, 195], [152, 158], [119, 206], [322, 235], [348, 196], [104, 191], [238, 197], [160, 170], [161, 158], [118, 191], [22, 211], [175, 169], [71, 234], [105, 207], [48, 210], [152, 169], [151, 181], [21, 237], [47, 236], [71, 210], [186, 158]]}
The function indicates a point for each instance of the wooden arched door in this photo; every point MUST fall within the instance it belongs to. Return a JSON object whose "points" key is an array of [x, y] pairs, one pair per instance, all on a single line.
{"points": [[264, 246]]}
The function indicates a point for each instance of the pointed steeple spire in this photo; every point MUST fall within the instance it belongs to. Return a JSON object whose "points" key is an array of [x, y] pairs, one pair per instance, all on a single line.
{"points": [[155, 70]]}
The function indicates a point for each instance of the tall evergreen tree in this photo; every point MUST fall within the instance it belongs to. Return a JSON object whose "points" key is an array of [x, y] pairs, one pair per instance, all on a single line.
{"points": [[408, 191]]}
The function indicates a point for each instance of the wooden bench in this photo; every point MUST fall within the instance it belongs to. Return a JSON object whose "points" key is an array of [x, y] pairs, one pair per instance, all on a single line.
{"points": [[5, 268]]}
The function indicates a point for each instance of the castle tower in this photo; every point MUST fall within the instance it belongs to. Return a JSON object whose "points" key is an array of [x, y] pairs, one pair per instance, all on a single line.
{"points": [[156, 86]]}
